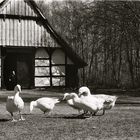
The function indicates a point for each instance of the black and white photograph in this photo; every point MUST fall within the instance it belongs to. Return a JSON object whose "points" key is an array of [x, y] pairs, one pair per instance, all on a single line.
{"points": [[69, 70]]}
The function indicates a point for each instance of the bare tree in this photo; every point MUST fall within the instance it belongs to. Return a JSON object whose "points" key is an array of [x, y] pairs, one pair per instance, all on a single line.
{"points": [[105, 34]]}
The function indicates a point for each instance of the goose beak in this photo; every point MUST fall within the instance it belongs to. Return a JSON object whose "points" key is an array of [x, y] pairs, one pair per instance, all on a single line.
{"points": [[79, 94], [17, 88], [65, 96]]}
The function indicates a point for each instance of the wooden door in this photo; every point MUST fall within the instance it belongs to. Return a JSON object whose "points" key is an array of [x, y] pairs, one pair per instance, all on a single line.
{"points": [[71, 76], [24, 70]]}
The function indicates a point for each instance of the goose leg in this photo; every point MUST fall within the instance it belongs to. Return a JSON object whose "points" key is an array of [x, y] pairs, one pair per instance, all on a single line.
{"points": [[90, 115], [21, 117], [94, 114], [103, 111], [13, 120], [81, 115], [79, 111], [47, 112]]}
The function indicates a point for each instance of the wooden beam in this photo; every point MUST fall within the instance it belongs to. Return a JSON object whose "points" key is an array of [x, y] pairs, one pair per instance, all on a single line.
{"points": [[6, 16]]}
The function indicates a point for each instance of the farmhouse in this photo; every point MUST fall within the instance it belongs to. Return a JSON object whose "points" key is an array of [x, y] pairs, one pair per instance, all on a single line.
{"points": [[32, 51]]}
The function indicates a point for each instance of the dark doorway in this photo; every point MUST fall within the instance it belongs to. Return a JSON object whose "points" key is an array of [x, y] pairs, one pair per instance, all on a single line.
{"points": [[22, 65], [71, 76], [9, 67]]}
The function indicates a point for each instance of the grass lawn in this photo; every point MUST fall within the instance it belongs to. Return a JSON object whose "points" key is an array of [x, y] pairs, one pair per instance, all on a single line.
{"points": [[120, 123]]}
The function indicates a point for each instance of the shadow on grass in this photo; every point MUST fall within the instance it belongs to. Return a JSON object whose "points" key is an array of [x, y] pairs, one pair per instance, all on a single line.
{"points": [[67, 117], [72, 116], [27, 114], [61, 116], [4, 120]]}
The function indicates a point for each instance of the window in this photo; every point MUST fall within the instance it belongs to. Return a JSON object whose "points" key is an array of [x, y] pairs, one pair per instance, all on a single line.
{"points": [[49, 72], [42, 68], [58, 68]]}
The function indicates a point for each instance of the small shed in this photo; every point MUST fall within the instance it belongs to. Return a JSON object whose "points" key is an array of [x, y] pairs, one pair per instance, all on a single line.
{"points": [[32, 50]]}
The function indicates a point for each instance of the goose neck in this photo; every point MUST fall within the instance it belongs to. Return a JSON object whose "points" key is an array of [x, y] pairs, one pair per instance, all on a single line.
{"points": [[75, 97], [88, 92], [32, 105], [17, 94]]}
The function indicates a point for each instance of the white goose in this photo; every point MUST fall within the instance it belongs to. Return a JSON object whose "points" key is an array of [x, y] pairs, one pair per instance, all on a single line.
{"points": [[88, 104], [109, 100], [15, 103], [67, 97], [45, 104]]}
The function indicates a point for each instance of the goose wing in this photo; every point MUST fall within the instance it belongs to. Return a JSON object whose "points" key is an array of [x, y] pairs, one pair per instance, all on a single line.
{"points": [[10, 106], [89, 103], [106, 97], [46, 103], [71, 103], [19, 103]]}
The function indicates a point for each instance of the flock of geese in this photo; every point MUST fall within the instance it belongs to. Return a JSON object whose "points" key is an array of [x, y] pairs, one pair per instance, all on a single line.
{"points": [[84, 102]]}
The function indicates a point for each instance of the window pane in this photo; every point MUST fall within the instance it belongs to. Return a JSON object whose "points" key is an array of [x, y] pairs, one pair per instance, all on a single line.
{"points": [[42, 62], [40, 82], [58, 70], [41, 53], [58, 57], [58, 81], [42, 71]]}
